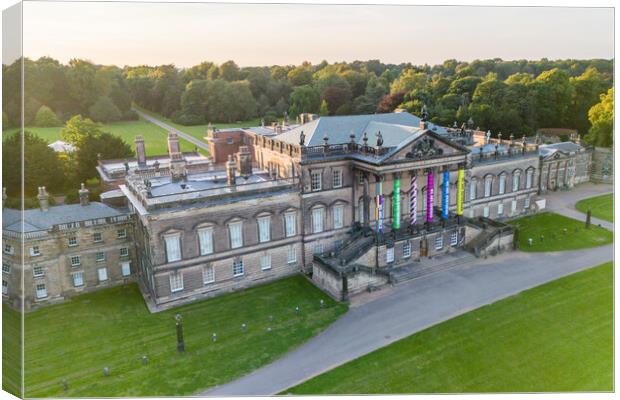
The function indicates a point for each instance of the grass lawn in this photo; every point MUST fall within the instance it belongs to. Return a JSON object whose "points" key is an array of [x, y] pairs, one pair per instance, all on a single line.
{"points": [[200, 131], [155, 138], [11, 351], [602, 206], [551, 226], [77, 339], [556, 337]]}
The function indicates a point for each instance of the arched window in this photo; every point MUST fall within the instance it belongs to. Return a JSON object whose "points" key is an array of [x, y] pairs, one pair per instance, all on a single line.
{"points": [[516, 180], [502, 183], [318, 216], [529, 178], [472, 189], [488, 186]]}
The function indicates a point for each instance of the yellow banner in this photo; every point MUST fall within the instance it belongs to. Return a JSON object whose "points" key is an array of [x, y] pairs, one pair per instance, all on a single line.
{"points": [[460, 193]]}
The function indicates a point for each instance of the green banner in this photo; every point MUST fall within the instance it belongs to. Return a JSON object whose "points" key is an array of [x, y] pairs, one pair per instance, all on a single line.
{"points": [[396, 204]]}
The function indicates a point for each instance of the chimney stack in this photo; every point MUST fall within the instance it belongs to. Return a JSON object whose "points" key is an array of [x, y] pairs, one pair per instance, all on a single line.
{"points": [[174, 148], [140, 151], [231, 170], [43, 199], [244, 161], [83, 192]]}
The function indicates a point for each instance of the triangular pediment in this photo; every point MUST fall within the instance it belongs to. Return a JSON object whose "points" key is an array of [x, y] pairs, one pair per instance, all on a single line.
{"points": [[425, 145]]}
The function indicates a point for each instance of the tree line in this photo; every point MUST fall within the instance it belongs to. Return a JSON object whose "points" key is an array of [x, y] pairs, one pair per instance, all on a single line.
{"points": [[509, 96]]}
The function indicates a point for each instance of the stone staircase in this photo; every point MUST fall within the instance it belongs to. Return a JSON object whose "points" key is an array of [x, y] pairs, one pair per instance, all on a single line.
{"points": [[417, 269]]}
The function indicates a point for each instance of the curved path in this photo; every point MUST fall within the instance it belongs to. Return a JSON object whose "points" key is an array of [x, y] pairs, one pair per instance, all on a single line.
{"points": [[564, 202], [409, 308], [169, 128]]}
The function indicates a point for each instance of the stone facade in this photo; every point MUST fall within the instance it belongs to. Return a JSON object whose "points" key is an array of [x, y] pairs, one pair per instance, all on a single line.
{"points": [[332, 198], [65, 252]]}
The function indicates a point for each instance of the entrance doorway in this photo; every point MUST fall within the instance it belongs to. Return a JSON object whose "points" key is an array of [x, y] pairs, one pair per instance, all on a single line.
{"points": [[424, 247]]}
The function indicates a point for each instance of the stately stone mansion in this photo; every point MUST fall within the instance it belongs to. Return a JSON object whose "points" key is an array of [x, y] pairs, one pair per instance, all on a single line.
{"points": [[350, 201]]}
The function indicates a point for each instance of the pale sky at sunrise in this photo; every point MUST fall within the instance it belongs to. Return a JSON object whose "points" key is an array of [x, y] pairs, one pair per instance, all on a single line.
{"points": [[266, 34]]}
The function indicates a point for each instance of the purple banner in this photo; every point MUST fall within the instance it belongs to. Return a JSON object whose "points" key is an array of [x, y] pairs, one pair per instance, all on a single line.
{"points": [[430, 194]]}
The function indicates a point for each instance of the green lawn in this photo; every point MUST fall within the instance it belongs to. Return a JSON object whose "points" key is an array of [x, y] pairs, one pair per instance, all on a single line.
{"points": [[155, 138], [11, 350], [551, 226], [602, 206], [77, 339], [200, 131], [554, 338]]}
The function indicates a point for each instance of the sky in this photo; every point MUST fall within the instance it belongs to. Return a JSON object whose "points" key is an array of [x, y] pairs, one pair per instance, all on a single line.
{"points": [[186, 34]]}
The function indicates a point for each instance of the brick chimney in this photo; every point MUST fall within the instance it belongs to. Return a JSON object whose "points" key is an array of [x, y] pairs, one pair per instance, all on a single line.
{"points": [[140, 151], [231, 170], [83, 192], [244, 161], [43, 199]]}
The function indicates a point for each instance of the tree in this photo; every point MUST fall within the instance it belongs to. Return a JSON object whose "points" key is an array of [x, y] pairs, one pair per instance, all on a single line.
{"points": [[304, 99], [42, 167], [601, 117], [46, 118], [324, 109], [300, 76], [104, 110], [335, 97], [409, 80], [554, 94], [83, 85], [390, 102], [78, 129], [106, 146], [229, 71], [587, 90]]}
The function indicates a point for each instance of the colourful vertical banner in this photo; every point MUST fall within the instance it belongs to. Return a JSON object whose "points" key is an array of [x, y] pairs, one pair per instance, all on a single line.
{"points": [[379, 210], [430, 195], [460, 191], [396, 204], [413, 200], [445, 194]]}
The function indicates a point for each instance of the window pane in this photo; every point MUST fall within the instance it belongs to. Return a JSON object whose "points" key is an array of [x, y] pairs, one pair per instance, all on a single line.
{"points": [[102, 273], [125, 269], [236, 238], [78, 279], [290, 221], [205, 236], [263, 229], [317, 220], [173, 248], [208, 274], [338, 217]]}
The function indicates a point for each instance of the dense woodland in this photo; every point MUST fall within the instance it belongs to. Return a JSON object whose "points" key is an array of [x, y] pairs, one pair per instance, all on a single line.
{"points": [[515, 97], [509, 96]]}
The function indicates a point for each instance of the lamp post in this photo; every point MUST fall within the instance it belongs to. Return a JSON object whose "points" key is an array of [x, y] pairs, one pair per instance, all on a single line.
{"points": [[179, 326]]}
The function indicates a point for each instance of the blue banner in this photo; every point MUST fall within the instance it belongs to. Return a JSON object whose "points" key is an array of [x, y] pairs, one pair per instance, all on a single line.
{"points": [[445, 194]]}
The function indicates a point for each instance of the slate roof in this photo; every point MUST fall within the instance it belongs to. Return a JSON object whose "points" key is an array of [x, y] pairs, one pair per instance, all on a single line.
{"points": [[339, 128], [37, 220], [565, 147]]}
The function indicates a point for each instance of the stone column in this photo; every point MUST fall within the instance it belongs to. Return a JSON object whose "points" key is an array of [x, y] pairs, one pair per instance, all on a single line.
{"points": [[366, 197], [379, 204], [413, 199]]}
